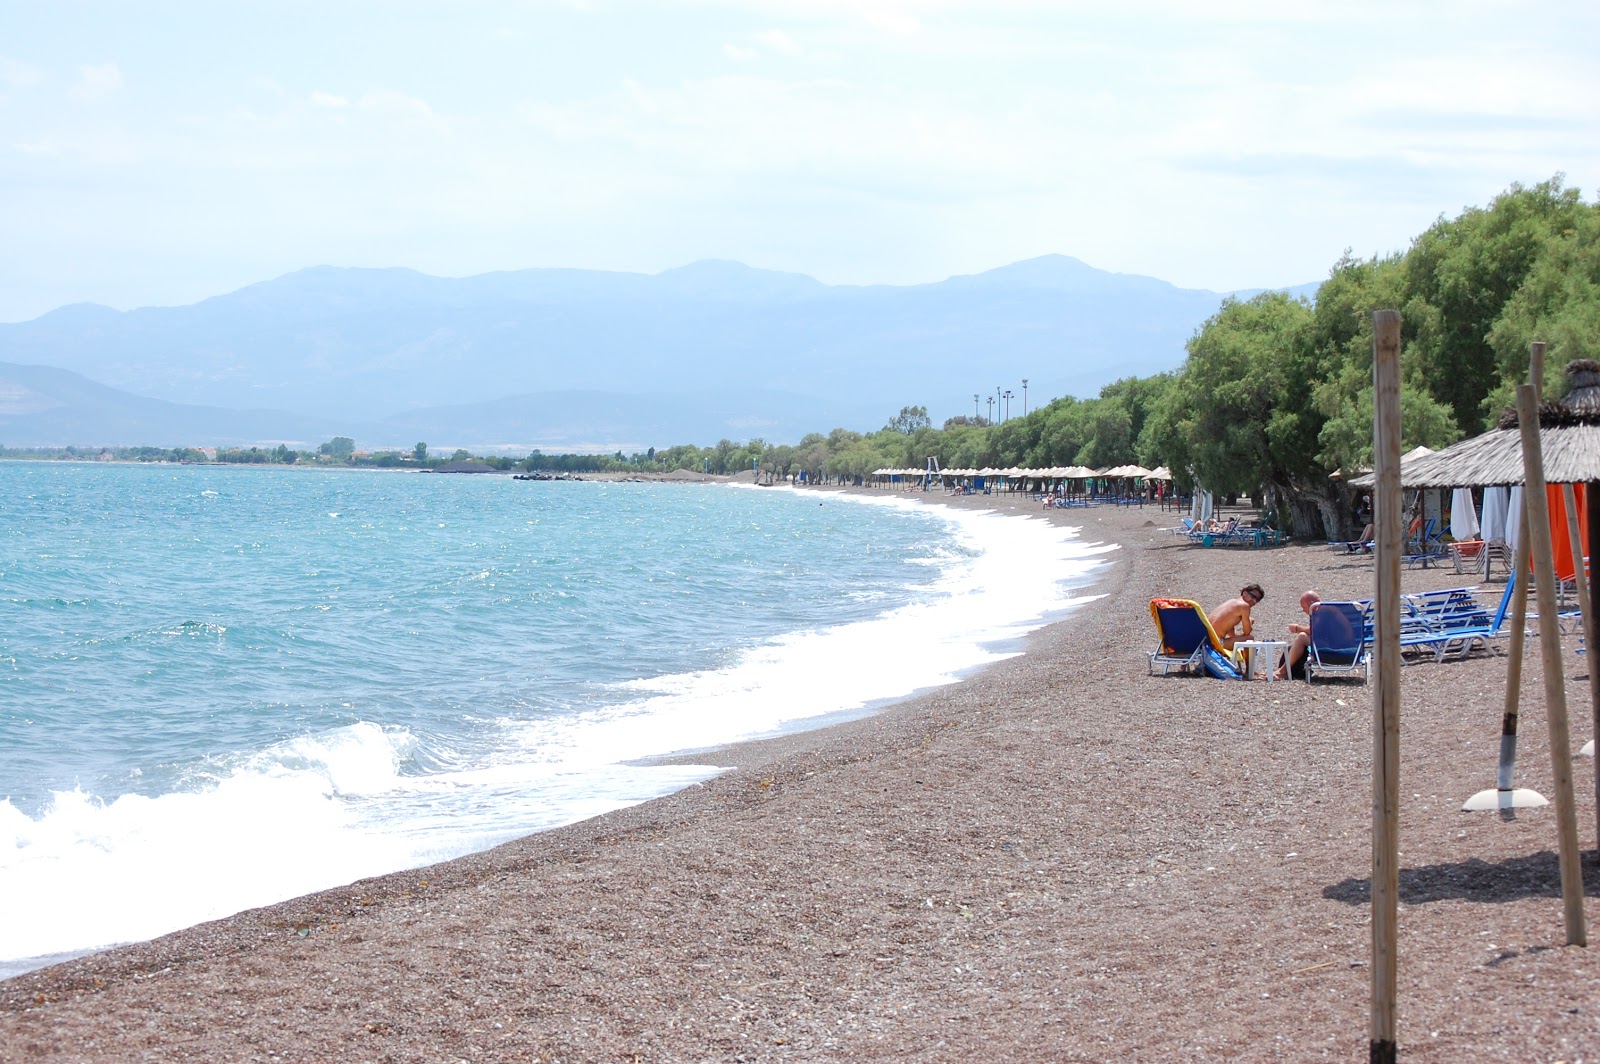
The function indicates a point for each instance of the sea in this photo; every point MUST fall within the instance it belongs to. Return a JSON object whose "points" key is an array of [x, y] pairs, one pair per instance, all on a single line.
{"points": [[222, 687]]}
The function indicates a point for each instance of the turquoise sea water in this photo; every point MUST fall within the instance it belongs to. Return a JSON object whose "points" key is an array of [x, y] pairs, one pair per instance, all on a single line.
{"points": [[221, 687]]}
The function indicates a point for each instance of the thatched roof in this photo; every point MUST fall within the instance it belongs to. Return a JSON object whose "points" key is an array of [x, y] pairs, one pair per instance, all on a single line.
{"points": [[1569, 437]]}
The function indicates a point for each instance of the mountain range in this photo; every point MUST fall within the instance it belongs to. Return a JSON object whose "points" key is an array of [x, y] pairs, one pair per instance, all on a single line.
{"points": [[580, 360]]}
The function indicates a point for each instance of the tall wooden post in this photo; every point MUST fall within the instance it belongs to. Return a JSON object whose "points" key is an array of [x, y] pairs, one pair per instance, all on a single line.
{"points": [[1387, 519], [1505, 797], [1537, 505]]}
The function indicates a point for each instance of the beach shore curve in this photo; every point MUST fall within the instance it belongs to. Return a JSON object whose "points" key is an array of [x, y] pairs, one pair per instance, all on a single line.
{"points": [[1059, 858]]}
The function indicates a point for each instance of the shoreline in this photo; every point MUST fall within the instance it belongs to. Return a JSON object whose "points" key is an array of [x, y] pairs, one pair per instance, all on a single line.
{"points": [[1059, 857]]}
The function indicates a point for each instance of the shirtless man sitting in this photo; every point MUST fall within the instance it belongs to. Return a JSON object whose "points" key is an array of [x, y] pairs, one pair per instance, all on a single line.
{"points": [[1231, 620], [1294, 659]]}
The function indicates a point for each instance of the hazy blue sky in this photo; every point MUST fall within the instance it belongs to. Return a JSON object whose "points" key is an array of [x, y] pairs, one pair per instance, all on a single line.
{"points": [[159, 153]]}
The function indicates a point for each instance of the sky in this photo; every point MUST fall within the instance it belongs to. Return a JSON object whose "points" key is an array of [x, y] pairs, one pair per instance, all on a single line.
{"points": [[162, 153]]}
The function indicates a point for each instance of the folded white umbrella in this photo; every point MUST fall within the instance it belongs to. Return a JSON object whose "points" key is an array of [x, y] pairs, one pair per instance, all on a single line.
{"points": [[1496, 501], [1514, 517], [1463, 515]]}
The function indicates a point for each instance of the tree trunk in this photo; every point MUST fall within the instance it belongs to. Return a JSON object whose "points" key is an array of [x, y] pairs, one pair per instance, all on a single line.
{"points": [[1307, 514]]}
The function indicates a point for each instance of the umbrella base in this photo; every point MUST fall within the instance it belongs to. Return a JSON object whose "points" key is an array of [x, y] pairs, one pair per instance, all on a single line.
{"points": [[1521, 798]]}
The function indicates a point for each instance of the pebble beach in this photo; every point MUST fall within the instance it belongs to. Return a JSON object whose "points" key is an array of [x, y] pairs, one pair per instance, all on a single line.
{"points": [[1061, 857]]}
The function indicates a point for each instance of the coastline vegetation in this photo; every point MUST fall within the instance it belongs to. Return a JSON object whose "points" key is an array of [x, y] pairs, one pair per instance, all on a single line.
{"points": [[1274, 397]]}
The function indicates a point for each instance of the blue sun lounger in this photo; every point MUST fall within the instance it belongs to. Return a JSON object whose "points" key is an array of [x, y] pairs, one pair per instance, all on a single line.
{"points": [[1449, 622], [1340, 640], [1188, 642]]}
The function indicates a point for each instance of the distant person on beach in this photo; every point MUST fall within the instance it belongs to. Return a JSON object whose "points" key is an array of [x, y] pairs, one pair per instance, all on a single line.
{"points": [[1294, 659], [1231, 620], [1360, 543]]}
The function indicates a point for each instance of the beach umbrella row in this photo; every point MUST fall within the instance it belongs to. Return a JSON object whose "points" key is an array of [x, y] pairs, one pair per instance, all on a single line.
{"points": [[1073, 472]]}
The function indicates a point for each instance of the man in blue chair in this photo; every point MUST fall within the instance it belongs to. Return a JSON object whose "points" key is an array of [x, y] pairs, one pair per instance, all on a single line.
{"points": [[1294, 659], [1231, 620]]}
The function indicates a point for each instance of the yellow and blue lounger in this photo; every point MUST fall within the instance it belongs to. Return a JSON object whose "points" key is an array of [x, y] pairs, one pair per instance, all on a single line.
{"points": [[1188, 642]]}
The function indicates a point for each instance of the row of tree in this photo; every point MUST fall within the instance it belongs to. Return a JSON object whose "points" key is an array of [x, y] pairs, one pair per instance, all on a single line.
{"points": [[1276, 393]]}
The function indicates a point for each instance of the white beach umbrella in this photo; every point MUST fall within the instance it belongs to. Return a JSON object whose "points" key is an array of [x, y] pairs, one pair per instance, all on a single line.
{"points": [[1463, 516], [1496, 501]]}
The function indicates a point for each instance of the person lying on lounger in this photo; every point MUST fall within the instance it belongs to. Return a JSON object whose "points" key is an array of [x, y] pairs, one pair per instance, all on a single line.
{"points": [[1294, 659], [1231, 620]]}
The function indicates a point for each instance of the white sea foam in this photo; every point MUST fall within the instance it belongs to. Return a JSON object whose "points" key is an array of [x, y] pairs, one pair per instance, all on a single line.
{"points": [[90, 873], [323, 809]]}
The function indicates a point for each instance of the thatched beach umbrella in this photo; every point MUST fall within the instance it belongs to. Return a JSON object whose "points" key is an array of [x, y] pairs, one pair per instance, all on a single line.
{"points": [[1569, 442]]}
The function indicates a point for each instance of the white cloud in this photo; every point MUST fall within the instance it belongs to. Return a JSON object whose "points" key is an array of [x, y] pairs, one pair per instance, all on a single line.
{"points": [[19, 75], [780, 41], [400, 107], [98, 83], [1246, 142]]}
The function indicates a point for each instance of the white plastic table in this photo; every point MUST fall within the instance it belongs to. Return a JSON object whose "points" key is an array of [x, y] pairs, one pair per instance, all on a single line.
{"points": [[1267, 652]]}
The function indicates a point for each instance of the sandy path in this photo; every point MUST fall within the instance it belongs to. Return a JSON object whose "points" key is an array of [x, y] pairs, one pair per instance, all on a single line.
{"points": [[1061, 858]]}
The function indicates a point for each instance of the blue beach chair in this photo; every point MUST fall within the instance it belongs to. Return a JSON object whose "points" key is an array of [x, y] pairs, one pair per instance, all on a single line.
{"points": [[1340, 639], [1188, 642]]}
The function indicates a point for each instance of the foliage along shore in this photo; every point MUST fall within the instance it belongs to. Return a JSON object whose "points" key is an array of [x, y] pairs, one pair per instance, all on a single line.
{"points": [[1275, 394]]}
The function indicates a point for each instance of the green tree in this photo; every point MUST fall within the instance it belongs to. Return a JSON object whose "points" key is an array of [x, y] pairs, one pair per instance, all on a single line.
{"points": [[910, 419], [340, 448], [1460, 275], [1558, 303], [419, 453]]}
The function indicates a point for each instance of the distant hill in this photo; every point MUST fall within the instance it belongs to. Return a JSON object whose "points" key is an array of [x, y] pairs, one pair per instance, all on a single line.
{"points": [[41, 406], [579, 359]]}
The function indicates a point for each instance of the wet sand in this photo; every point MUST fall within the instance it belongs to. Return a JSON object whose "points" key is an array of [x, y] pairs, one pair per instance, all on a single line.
{"points": [[1060, 858]]}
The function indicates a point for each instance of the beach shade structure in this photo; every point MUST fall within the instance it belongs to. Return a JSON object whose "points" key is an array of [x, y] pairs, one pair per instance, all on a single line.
{"points": [[1161, 473], [1569, 445], [1544, 444]]}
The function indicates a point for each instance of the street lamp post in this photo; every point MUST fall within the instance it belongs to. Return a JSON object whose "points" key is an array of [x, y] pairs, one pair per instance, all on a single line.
{"points": [[990, 401], [1024, 397], [997, 399], [974, 406], [1008, 396]]}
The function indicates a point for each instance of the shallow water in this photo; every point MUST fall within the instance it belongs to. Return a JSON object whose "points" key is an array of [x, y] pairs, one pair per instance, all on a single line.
{"points": [[221, 687]]}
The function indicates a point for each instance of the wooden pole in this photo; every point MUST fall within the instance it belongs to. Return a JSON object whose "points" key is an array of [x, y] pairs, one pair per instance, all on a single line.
{"points": [[1387, 521], [1505, 797], [1537, 505]]}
